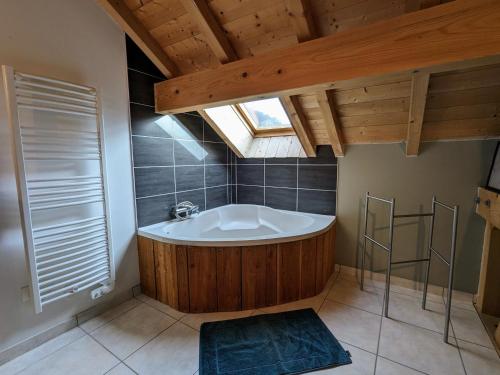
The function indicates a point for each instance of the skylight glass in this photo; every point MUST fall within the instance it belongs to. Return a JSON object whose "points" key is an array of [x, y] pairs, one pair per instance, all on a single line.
{"points": [[266, 114]]}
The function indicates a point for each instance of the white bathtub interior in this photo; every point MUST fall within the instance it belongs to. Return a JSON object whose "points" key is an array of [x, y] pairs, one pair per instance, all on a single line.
{"points": [[238, 224]]}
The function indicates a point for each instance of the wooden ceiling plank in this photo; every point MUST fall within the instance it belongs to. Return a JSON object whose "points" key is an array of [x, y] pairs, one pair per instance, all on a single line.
{"points": [[119, 11], [209, 26], [418, 99], [411, 41], [300, 124], [302, 19], [326, 102]]}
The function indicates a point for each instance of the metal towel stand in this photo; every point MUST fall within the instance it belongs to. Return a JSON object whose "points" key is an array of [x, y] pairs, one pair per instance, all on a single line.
{"points": [[388, 248]]}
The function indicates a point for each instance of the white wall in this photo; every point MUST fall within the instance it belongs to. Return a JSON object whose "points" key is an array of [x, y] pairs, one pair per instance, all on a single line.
{"points": [[450, 170], [71, 40]]}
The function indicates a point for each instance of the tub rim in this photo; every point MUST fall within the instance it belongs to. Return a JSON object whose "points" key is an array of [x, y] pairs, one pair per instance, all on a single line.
{"points": [[148, 232]]}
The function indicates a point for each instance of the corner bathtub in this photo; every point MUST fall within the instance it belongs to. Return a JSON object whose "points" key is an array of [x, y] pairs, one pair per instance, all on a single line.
{"points": [[238, 225], [236, 257]]}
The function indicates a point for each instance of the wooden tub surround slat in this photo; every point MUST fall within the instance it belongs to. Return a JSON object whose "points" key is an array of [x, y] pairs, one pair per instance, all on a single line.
{"points": [[196, 279]]}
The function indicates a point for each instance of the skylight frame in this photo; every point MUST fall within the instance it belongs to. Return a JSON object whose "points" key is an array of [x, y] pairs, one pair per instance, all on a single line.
{"points": [[269, 132]]}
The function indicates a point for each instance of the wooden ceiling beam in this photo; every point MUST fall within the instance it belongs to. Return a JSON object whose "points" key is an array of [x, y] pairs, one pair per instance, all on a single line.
{"points": [[300, 124], [448, 33], [118, 11], [326, 103], [213, 32], [418, 99]]}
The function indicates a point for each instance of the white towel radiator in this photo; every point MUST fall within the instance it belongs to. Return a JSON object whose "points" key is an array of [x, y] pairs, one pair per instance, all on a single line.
{"points": [[61, 179]]}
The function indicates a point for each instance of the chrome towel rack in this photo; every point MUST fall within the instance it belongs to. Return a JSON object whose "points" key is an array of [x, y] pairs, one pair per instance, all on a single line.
{"points": [[431, 251], [61, 180]]}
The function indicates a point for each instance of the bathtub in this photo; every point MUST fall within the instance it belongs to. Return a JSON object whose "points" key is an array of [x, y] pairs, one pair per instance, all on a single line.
{"points": [[236, 257], [238, 225]]}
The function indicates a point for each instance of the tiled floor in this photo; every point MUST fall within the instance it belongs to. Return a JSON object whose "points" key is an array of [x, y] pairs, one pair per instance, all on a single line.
{"points": [[143, 336]]}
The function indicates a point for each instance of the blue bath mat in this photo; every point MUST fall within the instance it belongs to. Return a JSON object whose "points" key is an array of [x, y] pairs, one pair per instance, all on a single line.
{"points": [[292, 342]]}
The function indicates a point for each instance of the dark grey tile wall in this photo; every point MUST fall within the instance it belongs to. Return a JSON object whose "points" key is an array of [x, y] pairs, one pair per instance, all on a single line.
{"points": [[181, 158], [296, 184], [176, 158]]}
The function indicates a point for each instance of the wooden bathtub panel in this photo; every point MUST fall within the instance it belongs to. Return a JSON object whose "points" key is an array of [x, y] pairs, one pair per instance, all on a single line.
{"points": [[308, 268], [182, 278], [228, 278], [202, 262], [289, 278], [258, 276], [204, 279], [146, 266], [166, 274]]}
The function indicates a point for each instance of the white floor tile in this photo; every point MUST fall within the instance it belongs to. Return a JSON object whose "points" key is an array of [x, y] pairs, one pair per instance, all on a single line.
{"points": [[195, 320], [98, 321], [409, 310], [161, 306], [349, 293], [40, 352], [174, 352], [127, 333], [121, 369], [468, 326], [351, 325], [82, 357], [479, 360], [419, 349], [363, 363], [386, 367]]}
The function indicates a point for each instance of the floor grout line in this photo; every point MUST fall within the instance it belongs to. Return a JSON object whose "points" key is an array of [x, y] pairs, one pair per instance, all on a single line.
{"points": [[456, 340], [379, 334], [402, 364]]}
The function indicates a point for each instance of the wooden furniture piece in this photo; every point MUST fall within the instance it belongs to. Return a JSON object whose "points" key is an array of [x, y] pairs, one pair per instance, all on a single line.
{"points": [[488, 294], [199, 279]]}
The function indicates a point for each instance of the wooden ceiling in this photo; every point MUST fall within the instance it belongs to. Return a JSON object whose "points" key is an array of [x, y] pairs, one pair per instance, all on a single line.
{"points": [[186, 36]]}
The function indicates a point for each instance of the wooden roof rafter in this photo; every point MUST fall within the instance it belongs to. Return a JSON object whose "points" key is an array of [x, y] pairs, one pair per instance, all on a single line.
{"points": [[372, 50], [140, 35], [418, 99]]}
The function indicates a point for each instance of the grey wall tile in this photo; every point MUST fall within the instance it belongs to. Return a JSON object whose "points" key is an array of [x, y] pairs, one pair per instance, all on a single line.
{"points": [[291, 161], [250, 174], [189, 152], [215, 175], [141, 87], [324, 155], [216, 153], [281, 175], [283, 199], [154, 209], [189, 178], [217, 196], [144, 121], [318, 177], [153, 181], [317, 202], [210, 134], [250, 195], [188, 126], [152, 151], [249, 161], [137, 60]]}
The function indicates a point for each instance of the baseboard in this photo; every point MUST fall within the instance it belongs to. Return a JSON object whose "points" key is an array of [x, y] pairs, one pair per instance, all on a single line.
{"points": [[37, 340], [98, 309], [406, 283]]}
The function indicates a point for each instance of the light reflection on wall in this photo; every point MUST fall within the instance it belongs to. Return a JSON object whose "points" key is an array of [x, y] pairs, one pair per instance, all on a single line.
{"points": [[174, 128]]}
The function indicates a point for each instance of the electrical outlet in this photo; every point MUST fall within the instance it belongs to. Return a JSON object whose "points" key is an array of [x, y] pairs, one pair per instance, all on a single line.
{"points": [[25, 293]]}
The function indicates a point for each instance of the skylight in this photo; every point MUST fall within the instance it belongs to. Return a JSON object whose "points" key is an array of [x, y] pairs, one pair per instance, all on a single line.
{"points": [[265, 114]]}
